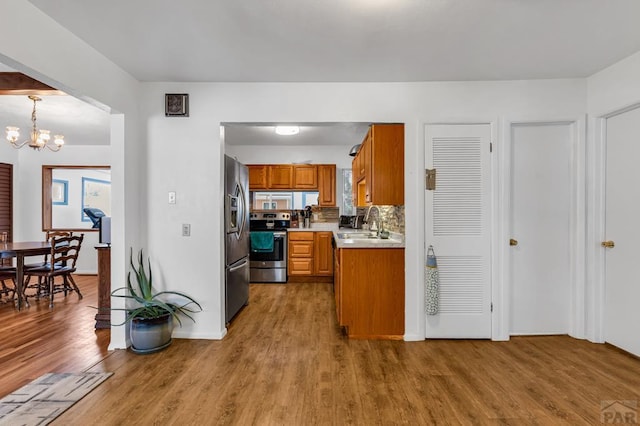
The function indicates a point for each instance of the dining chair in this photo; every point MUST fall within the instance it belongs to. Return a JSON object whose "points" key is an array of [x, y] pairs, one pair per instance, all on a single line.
{"points": [[7, 273], [62, 263], [45, 261], [49, 236]]}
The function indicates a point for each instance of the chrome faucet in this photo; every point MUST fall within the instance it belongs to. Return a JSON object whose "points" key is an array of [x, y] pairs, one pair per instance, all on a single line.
{"points": [[366, 218]]}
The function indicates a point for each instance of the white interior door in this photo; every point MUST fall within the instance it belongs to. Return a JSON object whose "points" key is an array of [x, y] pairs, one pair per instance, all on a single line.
{"points": [[540, 287], [622, 286], [458, 226]]}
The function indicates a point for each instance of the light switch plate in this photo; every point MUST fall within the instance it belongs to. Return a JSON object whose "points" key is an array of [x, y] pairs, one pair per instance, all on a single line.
{"points": [[186, 230], [172, 197]]}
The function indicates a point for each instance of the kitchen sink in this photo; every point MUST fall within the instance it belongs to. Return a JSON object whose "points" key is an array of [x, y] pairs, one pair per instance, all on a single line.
{"points": [[357, 235]]}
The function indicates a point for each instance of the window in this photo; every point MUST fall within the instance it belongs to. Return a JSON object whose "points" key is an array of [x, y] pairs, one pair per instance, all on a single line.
{"points": [[57, 214], [60, 192], [295, 200], [347, 192], [96, 193]]}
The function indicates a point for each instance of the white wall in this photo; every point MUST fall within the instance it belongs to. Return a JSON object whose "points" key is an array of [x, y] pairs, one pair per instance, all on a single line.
{"points": [[180, 159], [615, 87]]}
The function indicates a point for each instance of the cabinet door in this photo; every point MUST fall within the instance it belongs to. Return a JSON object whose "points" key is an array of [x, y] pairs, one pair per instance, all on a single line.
{"points": [[355, 167], [363, 153], [355, 177], [280, 176], [365, 167], [257, 176], [305, 176], [327, 185], [323, 254], [385, 169]]}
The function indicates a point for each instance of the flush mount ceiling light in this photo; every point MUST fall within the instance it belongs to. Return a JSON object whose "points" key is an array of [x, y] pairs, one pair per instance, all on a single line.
{"points": [[39, 138], [287, 130]]}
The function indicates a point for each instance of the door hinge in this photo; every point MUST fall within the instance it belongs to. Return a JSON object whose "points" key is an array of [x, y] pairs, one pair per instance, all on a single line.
{"points": [[430, 179], [491, 306], [490, 146]]}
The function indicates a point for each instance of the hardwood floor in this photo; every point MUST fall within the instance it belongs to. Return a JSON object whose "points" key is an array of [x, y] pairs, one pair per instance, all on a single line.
{"points": [[286, 362], [40, 340]]}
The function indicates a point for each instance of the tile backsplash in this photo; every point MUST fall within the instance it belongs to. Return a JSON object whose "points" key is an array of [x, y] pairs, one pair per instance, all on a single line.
{"points": [[325, 214], [392, 216]]}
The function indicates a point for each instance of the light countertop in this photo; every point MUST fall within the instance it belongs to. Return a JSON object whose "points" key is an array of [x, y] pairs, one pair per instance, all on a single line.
{"points": [[394, 241]]}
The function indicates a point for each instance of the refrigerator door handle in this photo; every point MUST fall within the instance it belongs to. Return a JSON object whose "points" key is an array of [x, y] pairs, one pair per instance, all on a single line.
{"points": [[240, 266], [243, 213]]}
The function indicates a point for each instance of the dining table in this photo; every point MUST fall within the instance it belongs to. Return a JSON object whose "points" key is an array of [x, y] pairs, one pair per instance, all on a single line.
{"points": [[20, 250]]}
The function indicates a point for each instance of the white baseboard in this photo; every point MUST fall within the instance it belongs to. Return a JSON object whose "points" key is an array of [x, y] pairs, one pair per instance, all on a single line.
{"points": [[180, 334]]}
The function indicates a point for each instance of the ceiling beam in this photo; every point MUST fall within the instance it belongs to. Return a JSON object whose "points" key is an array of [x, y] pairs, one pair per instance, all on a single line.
{"points": [[16, 83]]}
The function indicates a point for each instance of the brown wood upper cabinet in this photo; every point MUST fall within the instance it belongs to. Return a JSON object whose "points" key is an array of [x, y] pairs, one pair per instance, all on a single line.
{"points": [[305, 176], [320, 177], [327, 185], [378, 168], [280, 176], [257, 176]]}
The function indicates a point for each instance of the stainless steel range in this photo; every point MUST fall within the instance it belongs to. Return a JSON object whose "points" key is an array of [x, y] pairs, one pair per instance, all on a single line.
{"points": [[268, 255]]}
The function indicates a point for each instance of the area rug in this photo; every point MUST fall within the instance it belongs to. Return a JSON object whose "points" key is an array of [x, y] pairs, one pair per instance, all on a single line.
{"points": [[44, 399]]}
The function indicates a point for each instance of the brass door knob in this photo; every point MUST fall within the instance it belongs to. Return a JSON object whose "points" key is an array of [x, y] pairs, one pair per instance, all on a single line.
{"points": [[513, 242], [608, 244]]}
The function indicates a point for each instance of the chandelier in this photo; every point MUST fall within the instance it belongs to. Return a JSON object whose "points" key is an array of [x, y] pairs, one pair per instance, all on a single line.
{"points": [[39, 138]]}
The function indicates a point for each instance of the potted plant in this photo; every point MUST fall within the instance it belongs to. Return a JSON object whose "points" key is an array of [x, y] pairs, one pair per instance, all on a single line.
{"points": [[151, 319]]}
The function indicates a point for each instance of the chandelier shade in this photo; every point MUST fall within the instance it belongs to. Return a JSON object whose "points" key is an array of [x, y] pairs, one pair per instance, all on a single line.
{"points": [[39, 139]]}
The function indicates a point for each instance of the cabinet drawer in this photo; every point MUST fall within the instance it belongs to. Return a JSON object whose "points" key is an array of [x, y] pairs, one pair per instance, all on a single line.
{"points": [[300, 236], [300, 266], [301, 249]]}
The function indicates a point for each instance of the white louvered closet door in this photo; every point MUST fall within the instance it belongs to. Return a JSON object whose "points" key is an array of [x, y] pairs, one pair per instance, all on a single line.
{"points": [[458, 226]]}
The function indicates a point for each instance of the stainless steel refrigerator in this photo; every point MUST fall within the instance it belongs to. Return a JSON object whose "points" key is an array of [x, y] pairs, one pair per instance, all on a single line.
{"points": [[236, 212]]}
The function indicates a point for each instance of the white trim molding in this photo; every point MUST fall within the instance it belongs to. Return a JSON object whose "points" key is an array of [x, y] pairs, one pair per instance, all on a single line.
{"points": [[577, 223]]}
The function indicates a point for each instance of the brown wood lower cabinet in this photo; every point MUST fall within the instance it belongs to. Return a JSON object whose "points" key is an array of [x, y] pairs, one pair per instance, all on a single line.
{"points": [[310, 254], [369, 292]]}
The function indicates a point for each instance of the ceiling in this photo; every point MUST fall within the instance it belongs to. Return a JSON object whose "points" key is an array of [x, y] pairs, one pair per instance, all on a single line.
{"points": [[331, 41], [79, 122], [310, 134], [354, 40]]}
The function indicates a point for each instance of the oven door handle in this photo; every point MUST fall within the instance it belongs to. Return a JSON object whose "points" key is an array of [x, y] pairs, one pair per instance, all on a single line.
{"points": [[279, 234]]}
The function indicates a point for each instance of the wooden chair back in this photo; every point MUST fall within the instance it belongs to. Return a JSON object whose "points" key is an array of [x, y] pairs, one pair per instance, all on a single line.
{"points": [[51, 234], [65, 250]]}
